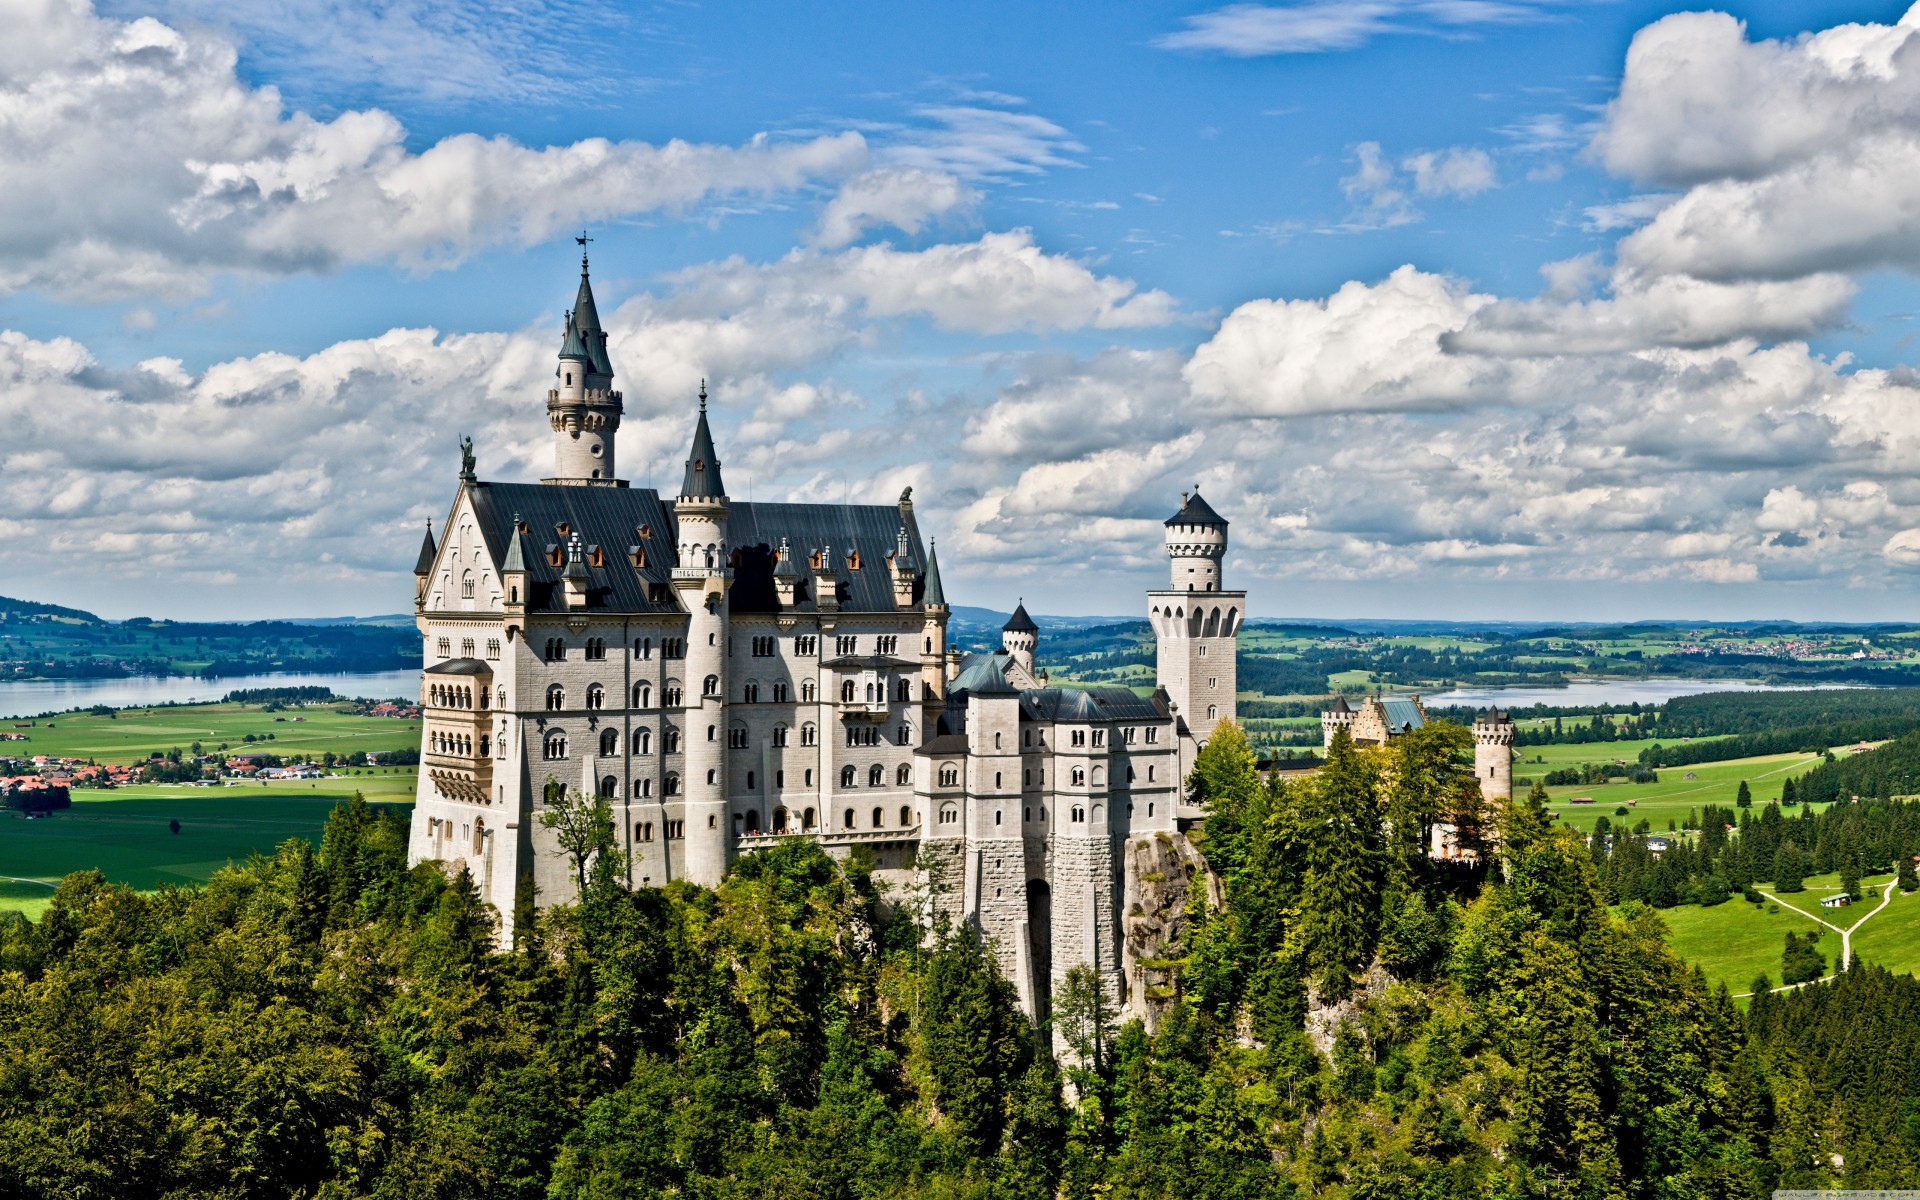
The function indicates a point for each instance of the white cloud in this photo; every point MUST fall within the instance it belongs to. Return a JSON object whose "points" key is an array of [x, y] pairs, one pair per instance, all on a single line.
{"points": [[1382, 193], [999, 283], [906, 198], [1457, 171], [1796, 155], [1256, 30], [138, 163]]}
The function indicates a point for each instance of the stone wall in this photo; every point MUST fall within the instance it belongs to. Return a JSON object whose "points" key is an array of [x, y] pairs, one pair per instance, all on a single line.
{"points": [[1160, 874]]}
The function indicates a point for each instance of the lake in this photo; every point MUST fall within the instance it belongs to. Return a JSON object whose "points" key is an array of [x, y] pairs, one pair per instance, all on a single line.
{"points": [[30, 697], [1582, 692]]}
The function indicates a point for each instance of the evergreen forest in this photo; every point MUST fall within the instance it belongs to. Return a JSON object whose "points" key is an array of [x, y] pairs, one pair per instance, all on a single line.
{"points": [[1347, 1018]]}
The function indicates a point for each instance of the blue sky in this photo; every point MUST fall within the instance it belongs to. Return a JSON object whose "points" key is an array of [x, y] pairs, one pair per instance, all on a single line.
{"points": [[1455, 307]]}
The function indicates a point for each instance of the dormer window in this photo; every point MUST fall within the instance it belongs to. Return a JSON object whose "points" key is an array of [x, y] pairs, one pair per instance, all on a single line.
{"points": [[556, 556], [563, 529], [596, 556], [645, 531], [853, 560], [637, 555]]}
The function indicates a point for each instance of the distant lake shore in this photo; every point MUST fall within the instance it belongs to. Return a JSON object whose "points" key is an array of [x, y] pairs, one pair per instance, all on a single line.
{"points": [[31, 697], [1590, 692]]}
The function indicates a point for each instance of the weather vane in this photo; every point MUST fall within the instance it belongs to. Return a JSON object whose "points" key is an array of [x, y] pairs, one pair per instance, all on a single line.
{"points": [[583, 239]]}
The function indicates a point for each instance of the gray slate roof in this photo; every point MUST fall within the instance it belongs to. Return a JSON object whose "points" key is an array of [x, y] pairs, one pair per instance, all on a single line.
{"points": [[611, 518], [1196, 512], [1020, 622], [1107, 702], [703, 464], [428, 551], [1402, 714], [461, 666]]}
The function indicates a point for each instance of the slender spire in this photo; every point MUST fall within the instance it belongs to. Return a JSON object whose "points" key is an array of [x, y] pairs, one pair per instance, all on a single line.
{"points": [[428, 552], [571, 344], [933, 593], [516, 550], [586, 318], [703, 464]]}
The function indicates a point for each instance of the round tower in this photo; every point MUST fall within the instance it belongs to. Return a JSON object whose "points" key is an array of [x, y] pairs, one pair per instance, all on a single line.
{"points": [[1020, 637], [582, 407], [701, 580], [1493, 754], [1196, 544]]}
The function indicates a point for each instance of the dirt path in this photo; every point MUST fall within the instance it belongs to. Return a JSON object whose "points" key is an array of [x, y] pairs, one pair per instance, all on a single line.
{"points": [[1846, 935]]}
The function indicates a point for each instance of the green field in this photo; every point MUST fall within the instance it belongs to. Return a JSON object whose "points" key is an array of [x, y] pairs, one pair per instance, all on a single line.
{"points": [[133, 734], [124, 833], [1672, 797], [1891, 939], [1736, 941]]}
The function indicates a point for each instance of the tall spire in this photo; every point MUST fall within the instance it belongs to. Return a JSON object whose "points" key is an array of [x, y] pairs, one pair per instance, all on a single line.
{"points": [[428, 552], [586, 319], [933, 593], [703, 464]]}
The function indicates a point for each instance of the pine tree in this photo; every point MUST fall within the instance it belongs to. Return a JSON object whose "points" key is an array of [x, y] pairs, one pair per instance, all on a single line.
{"points": [[1787, 798], [1338, 824], [1850, 877], [1744, 797], [1789, 869], [1909, 879]]}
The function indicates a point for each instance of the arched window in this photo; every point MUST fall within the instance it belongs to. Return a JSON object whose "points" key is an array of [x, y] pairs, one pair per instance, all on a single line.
{"points": [[806, 819], [846, 777], [486, 746], [750, 693], [710, 686], [643, 741], [1079, 777], [643, 648], [949, 815], [869, 693], [1213, 711], [903, 692], [555, 745], [670, 741], [779, 693], [779, 820], [1079, 814], [876, 775], [670, 694], [849, 821], [466, 586], [877, 821], [807, 692], [1099, 776], [808, 735], [949, 775], [779, 735], [753, 820], [846, 691], [710, 781], [609, 787], [996, 741], [556, 697], [596, 696], [906, 734], [672, 785], [903, 776], [642, 695], [1099, 814], [556, 650], [609, 743], [1149, 773], [503, 695], [642, 788], [906, 815]]}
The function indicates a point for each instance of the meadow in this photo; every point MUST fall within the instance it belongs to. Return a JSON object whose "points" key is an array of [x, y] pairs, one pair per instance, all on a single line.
{"points": [[132, 734], [125, 832]]}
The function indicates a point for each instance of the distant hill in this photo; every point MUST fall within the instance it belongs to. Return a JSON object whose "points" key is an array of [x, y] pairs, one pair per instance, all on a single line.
{"points": [[30, 609]]}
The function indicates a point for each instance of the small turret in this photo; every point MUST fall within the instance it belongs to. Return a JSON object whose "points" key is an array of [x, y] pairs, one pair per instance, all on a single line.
{"points": [[423, 569], [513, 573], [1196, 544], [904, 569], [576, 579], [786, 576], [1493, 733], [583, 408], [1019, 636], [1338, 716]]}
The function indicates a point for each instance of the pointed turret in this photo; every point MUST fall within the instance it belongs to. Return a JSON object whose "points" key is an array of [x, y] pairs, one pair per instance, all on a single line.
{"points": [[584, 410], [933, 593], [703, 464], [1020, 637], [428, 552], [516, 551], [1020, 622]]}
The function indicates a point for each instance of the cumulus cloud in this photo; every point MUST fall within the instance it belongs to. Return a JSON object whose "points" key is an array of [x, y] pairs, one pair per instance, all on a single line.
{"points": [[1383, 193], [1796, 155], [135, 161], [906, 198], [999, 283]]}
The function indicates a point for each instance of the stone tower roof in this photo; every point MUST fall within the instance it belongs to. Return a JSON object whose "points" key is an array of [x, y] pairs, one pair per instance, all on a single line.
{"points": [[1196, 512], [703, 463], [428, 551], [586, 318], [1020, 622], [933, 593]]}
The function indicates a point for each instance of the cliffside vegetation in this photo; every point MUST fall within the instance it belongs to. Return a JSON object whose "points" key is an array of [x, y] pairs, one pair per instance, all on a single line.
{"points": [[1354, 1021]]}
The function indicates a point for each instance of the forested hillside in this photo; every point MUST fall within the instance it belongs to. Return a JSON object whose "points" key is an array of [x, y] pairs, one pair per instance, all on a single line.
{"points": [[1355, 1021]]}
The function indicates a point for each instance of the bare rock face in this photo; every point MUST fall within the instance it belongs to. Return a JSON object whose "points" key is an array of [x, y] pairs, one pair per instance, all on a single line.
{"points": [[1162, 870], [1324, 1018]]}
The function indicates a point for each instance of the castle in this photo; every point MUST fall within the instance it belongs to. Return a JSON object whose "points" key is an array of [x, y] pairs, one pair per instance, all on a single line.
{"points": [[1380, 719], [730, 674]]}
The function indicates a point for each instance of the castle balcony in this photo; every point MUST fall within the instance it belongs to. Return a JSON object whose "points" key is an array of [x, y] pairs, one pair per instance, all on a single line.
{"points": [[460, 776], [848, 837], [864, 712]]}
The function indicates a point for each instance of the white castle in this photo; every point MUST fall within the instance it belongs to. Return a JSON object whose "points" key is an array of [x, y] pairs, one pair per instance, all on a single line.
{"points": [[730, 674]]}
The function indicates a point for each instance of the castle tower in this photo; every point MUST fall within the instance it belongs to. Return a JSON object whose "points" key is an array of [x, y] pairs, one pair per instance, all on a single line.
{"points": [[1196, 625], [1020, 637], [423, 570], [996, 865], [701, 580], [1493, 754], [584, 410], [1337, 717], [933, 644]]}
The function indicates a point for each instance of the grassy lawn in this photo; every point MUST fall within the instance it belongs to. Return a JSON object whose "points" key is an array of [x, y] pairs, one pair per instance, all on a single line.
{"points": [[124, 833], [133, 734], [1892, 939], [1736, 941], [1669, 800]]}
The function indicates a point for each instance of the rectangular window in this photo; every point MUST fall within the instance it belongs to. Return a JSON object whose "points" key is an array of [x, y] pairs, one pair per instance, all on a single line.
{"points": [[1129, 735], [446, 648], [1153, 734]]}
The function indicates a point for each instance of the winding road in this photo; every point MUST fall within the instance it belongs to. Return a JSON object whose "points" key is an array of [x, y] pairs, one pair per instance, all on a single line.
{"points": [[1846, 935]]}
